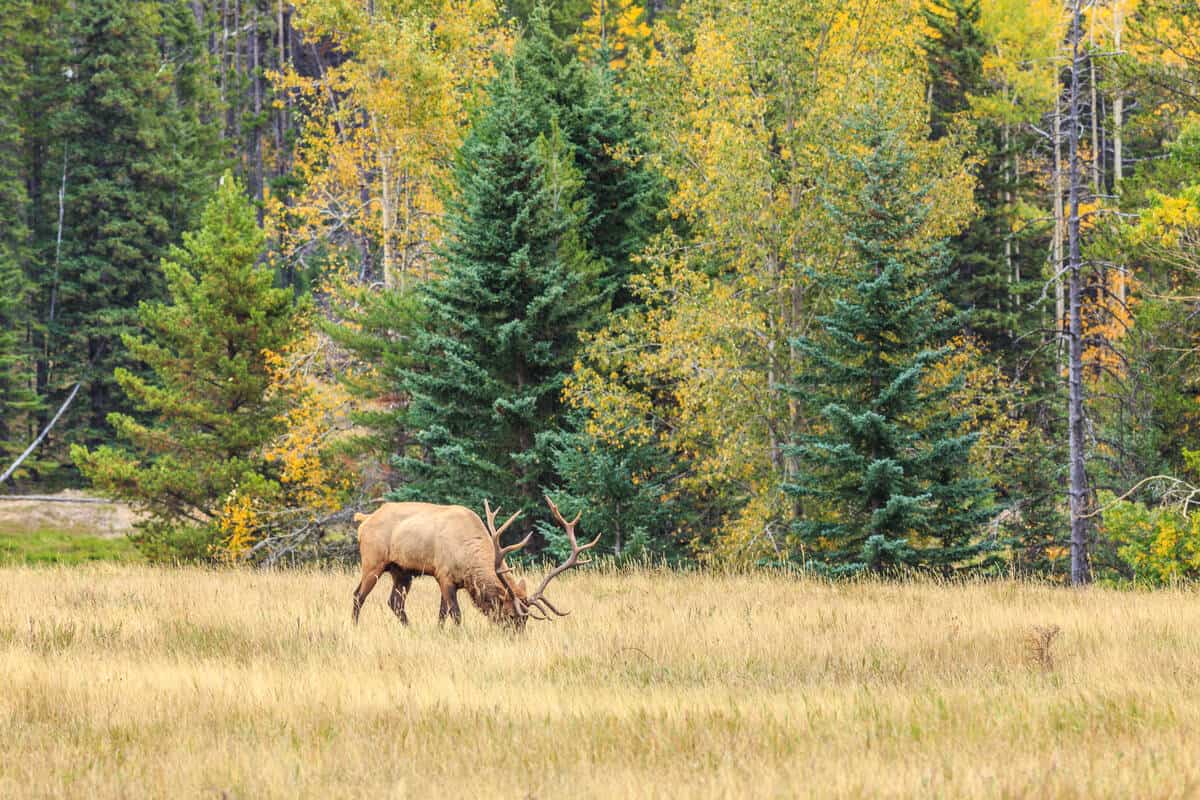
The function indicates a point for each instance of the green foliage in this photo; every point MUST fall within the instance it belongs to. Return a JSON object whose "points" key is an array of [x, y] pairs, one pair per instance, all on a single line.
{"points": [[954, 49], [209, 356], [622, 195], [58, 547], [17, 398], [551, 205], [563, 16], [884, 480], [620, 490], [1157, 545], [125, 129], [379, 327], [519, 284]]}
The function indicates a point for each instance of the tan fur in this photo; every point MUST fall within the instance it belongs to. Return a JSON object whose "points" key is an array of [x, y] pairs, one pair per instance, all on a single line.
{"points": [[449, 543]]}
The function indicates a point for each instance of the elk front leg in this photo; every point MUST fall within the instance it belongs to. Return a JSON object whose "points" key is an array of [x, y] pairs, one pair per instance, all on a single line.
{"points": [[402, 580], [449, 603]]}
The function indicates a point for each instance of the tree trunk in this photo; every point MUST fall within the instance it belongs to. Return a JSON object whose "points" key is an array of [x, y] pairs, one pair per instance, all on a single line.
{"points": [[1118, 101], [1118, 121], [1096, 155], [256, 133], [1060, 310], [1080, 567]]}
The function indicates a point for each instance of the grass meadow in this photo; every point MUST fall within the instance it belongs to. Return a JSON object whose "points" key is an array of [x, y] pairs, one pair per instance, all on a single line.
{"points": [[121, 680]]}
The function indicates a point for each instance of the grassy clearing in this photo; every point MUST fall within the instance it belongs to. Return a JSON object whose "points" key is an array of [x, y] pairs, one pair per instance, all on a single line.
{"points": [[127, 681], [62, 547]]}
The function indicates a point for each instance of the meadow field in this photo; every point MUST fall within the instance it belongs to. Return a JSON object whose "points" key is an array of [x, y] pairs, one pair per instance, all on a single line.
{"points": [[130, 681]]}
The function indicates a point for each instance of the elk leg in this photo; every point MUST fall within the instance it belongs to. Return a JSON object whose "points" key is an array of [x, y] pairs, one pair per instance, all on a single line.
{"points": [[402, 580], [449, 603], [364, 588]]}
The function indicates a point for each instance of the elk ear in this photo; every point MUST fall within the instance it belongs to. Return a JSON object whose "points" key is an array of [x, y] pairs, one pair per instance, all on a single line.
{"points": [[521, 585]]}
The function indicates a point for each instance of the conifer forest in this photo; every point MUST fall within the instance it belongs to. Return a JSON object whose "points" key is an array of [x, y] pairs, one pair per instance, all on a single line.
{"points": [[839, 287]]}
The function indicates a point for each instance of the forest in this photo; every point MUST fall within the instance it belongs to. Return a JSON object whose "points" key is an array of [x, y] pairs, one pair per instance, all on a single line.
{"points": [[835, 286]]}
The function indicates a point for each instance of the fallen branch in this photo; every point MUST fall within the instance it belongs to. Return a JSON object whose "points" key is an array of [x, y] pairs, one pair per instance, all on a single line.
{"points": [[41, 435], [49, 498]]}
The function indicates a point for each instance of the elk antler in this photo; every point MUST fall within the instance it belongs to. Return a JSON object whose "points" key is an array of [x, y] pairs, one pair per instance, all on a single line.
{"points": [[501, 552], [536, 600]]}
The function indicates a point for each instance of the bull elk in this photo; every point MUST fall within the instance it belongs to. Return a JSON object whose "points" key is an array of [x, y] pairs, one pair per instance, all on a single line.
{"points": [[451, 544]]}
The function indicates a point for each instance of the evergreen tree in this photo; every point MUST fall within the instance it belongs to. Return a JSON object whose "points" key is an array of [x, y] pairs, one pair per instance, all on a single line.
{"points": [[884, 479], [543, 91], [208, 352], [519, 284], [622, 195], [124, 137], [17, 398], [994, 267], [619, 488], [980, 279], [954, 52], [563, 16]]}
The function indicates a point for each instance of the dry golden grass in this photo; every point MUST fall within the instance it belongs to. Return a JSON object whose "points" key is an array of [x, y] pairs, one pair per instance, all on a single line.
{"points": [[128, 681]]}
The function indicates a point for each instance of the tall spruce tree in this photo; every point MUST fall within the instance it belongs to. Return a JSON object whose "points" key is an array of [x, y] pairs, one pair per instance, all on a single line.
{"points": [[124, 141], [622, 194], [519, 284], [543, 90], [207, 395], [954, 50], [884, 479], [17, 398], [981, 278]]}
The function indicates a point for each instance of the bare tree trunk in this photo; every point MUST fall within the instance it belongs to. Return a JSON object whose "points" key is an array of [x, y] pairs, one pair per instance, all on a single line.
{"points": [[1008, 182], [235, 106], [1080, 566], [1118, 121], [1060, 303], [282, 114], [1118, 101], [33, 445], [256, 130], [1096, 155]]}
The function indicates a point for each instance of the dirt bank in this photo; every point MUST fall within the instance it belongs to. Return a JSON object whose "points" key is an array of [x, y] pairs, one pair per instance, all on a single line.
{"points": [[70, 511]]}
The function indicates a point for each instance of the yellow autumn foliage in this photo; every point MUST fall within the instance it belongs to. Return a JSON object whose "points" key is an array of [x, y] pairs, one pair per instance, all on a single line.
{"points": [[378, 131], [310, 479], [616, 27]]}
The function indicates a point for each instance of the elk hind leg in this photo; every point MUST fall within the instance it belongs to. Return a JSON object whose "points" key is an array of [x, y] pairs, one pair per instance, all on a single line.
{"points": [[401, 581]]}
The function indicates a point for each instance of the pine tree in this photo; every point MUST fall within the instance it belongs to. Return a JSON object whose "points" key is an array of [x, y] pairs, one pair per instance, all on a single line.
{"points": [[17, 399], [980, 279], [954, 51], [622, 194], [209, 354], [544, 91], [519, 284], [884, 477], [125, 139]]}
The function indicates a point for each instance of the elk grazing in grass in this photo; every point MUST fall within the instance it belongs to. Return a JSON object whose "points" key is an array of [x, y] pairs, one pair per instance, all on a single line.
{"points": [[451, 544]]}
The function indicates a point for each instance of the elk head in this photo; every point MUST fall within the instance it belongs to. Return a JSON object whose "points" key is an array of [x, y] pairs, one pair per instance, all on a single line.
{"points": [[518, 606]]}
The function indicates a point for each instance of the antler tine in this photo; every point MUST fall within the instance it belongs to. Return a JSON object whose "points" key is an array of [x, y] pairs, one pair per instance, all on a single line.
{"points": [[543, 603], [491, 520], [572, 560], [502, 551]]}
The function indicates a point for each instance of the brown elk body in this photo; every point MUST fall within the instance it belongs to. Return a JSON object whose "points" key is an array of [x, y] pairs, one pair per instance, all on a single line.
{"points": [[451, 544]]}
